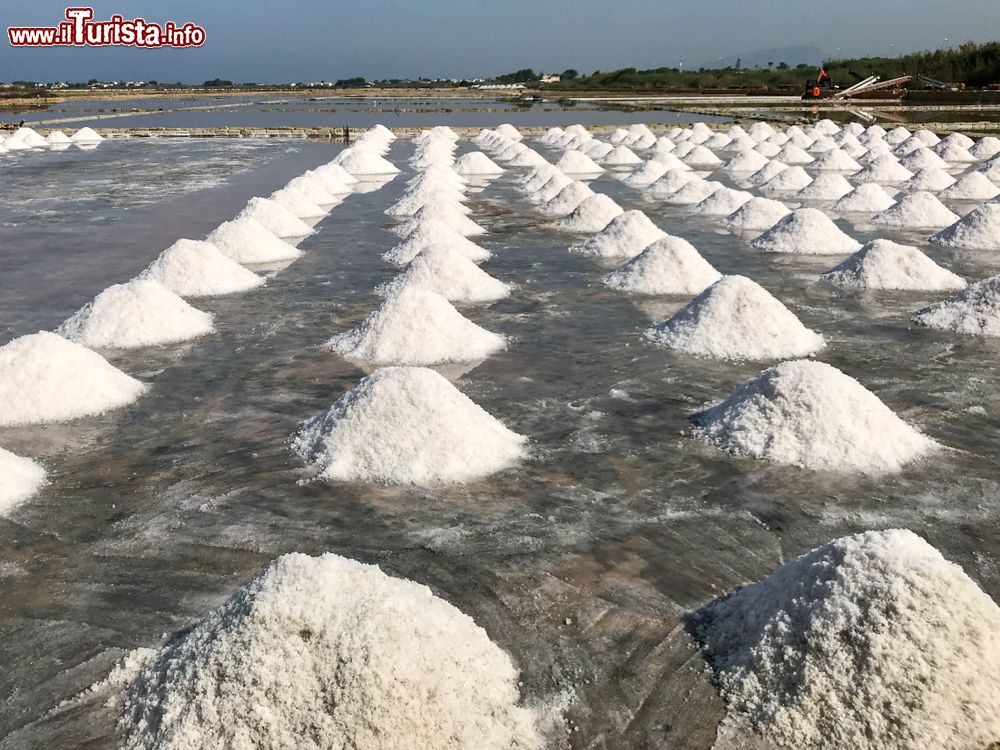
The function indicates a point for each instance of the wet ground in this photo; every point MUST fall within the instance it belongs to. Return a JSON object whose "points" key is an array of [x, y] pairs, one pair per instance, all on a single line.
{"points": [[582, 563]]}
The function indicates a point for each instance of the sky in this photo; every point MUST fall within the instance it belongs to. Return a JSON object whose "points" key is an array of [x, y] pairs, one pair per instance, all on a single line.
{"points": [[272, 41]]}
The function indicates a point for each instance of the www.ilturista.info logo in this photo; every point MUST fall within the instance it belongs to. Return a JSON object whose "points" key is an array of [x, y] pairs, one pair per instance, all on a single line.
{"points": [[80, 30]]}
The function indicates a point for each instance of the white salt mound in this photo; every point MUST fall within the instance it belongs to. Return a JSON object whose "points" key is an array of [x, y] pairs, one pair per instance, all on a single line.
{"points": [[620, 156], [699, 157], [646, 175], [809, 414], [975, 311], [757, 214], [930, 179], [193, 268], [979, 230], [670, 265], [447, 271], [407, 425], [57, 137], [249, 242], [723, 202], [826, 187], [671, 182], [86, 135], [448, 213], [360, 161], [592, 215], [882, 264], [884, 169], [736, 318], [790, 180], [137, 313], [325, 652], [765, 173], [869, 197], [745, 161], [416, 326], [477, 163], [693, 192], [985, 147], [577, 162], [22, 478], [972, 186], [836, 161], [276, 218], [45, 378], [300, 202], [875, 619], [566, 200], [625, 236], [806, 231], [920, 210], [434, 232]]}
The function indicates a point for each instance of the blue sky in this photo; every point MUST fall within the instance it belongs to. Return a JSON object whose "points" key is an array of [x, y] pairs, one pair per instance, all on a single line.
{"points": [[272, 41]]}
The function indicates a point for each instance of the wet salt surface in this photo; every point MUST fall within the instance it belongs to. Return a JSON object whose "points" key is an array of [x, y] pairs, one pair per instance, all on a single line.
{"points": [[581, 563]]}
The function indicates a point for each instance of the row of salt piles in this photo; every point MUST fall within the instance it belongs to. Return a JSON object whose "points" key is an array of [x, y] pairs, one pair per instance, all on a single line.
{"points": [[54, 377], [25, 138], [406, 423]]}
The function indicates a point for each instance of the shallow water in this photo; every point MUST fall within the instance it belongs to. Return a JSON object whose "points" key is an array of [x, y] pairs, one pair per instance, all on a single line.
{"points": [[582, 563]]}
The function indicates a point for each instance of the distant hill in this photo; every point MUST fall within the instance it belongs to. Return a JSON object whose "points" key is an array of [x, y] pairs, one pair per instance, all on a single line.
{"points": [[759, 59]]}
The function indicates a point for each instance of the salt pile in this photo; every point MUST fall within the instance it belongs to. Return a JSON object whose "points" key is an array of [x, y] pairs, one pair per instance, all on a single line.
{"points": [[809, 414], [247, 241], [919, 210], [826, 187], [930, 179], [576, 162], [192, 268], [736, 318], [671, 182], [527, 158], [592, 215], [875, 619], [760, 131], [446, 212], [990, 168], [767, 150], [836, 161], [325, 652], [627, 235], [299, 202], [979, 230], [791, 154], [506, 130], [869, 197], [806, 231], [985, 147], [86, 135], [477, 163], [885, 169], [646, 175], [447, 271], [407, 425], [434, 232], [423, 194], [567, 200], [276, 218], [911, 144], [700, 157], [670, 265], [757, 214], [717, 142], [974, 311], [897, 135], [693, 192], [551, 188], [671, 162], [953, 153], [336, 172], [22, 478], [972, 186], [29, 137], [57, 138], [620, 156], [723, 202], [45, 378], [922, 158], [790, 180], [596, 149], [416, 326], [360, 161], [768, 171], [138, 313], [882, 264], [745, 161]]}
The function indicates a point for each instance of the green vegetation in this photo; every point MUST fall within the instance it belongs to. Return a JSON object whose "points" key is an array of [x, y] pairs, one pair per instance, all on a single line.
{"points": [[975, 65]]}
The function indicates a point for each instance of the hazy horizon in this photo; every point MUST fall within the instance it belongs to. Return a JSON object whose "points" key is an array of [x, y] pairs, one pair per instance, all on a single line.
{"points": [[271, 42]]}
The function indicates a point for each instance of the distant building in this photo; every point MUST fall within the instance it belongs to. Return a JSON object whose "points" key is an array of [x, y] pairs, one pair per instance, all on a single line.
{"points": [[550, 78]]}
